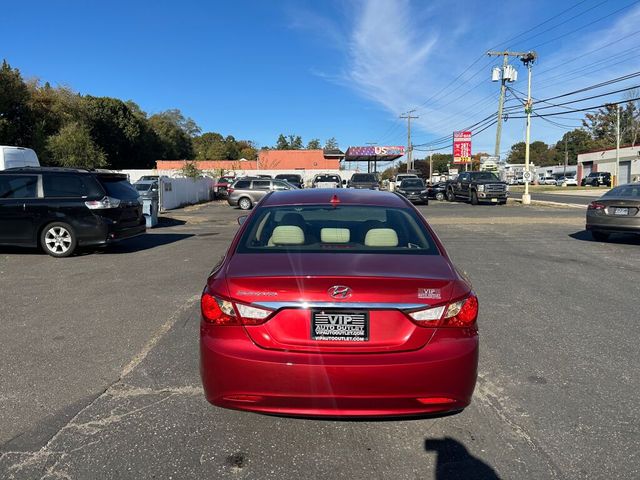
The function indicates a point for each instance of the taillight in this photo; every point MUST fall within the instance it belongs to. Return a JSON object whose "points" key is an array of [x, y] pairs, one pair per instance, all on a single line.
{"points": [[105, 202], [230, 190], [596, 206], [461, 313], [223, 312]]}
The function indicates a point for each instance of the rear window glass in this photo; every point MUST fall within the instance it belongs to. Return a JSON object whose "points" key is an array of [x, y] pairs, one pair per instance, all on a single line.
{"points": [[289, 178], [327, 178], [631, 191], [63, 186], [412, 182], [327, 229], [118, 188], [142, 187], [363, 177], [18, 186]]}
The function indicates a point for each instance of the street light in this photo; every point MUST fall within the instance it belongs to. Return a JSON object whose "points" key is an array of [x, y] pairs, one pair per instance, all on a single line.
{"points": [[528, 60]]}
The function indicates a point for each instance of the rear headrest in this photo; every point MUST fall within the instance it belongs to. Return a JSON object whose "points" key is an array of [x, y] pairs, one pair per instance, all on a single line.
{"points": [[335, 235], [287, 235], [381, 237]]}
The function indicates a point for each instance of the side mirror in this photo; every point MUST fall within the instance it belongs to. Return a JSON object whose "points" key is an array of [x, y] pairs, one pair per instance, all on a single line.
{"points": [[344, 182], [242, 219]]}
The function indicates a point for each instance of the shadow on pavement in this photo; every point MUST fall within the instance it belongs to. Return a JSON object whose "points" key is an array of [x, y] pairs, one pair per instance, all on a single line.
{"points": [[455, 462], [144, 242], [164, 222], [617, 238]]}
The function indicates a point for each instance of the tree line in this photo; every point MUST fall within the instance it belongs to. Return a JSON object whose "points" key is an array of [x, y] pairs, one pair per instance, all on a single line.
{"points": [[67, 128]]}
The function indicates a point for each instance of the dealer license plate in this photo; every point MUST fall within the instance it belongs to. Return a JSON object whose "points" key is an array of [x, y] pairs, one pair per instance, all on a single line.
{"points": [[340, 325], [621, 211]]}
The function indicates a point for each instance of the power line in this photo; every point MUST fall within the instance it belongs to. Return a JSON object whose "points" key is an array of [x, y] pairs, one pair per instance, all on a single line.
{"points": [[553, 114]]}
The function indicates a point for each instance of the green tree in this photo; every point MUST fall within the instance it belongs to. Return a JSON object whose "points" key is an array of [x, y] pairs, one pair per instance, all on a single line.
{"points": [[577, 141], [331, 144], [538, 153], [175, 143], [73, 147], [314, 144], [282, 143], [295, 142], [190, 170], [16, 118]]}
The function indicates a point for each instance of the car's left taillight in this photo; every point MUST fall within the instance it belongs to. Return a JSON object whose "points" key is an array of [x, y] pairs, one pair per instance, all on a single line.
{"points": [[460, 313], [218, 311], [103, 203], [596, 206]]}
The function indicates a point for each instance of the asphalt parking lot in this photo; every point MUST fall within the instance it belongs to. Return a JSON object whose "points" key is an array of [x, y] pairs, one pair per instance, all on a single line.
{"points": [[99, 363]]}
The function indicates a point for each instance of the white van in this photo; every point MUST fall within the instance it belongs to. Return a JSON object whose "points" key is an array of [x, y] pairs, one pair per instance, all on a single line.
{"points": [[11, 157]]}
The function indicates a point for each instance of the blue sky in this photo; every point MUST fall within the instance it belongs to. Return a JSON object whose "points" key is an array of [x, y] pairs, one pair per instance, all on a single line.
{"points": [[347, 69]]}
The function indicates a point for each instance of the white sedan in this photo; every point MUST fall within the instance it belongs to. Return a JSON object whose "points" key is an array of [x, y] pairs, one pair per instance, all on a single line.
{"points": [[567, 181]]}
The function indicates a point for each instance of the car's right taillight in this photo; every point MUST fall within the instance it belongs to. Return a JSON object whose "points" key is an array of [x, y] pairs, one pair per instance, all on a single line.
{"points": [[461, 313], [103, 203], [223, 312], [229, 190], [596, 206]]}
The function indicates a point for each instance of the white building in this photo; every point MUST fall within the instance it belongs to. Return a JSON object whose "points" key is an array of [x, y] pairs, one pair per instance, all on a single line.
{"points": [[605, 161]]}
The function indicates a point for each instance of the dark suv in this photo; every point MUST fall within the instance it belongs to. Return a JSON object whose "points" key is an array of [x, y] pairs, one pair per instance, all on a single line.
{"points": [[597, 179], [364, 180], [63, 208]]}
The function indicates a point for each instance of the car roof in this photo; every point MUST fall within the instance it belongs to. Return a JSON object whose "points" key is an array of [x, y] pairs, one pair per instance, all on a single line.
{"points": [[346, 196], [27, 169]]}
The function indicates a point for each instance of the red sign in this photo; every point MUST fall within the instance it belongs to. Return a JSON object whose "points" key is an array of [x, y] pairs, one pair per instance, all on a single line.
{"points": [[461, 147]]}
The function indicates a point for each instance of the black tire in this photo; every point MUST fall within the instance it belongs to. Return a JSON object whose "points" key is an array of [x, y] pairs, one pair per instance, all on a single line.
{"points": [[245, 203], [440, 196], [58, 239], [450, 195], [599, 236], [474, 198]]}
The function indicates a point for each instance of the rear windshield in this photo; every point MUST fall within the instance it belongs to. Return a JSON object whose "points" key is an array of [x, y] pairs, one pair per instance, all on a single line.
{"points": [[289, 178], [363, 177], [412, 182], [327, 178], [142, 187], [342, 229], [630, 191], [118, 187]]}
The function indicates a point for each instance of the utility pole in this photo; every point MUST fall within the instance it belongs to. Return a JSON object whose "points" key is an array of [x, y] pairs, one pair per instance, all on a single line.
{"points": [[566, 155], [506, 75], [375, 168], [408, 116], [614, 183], [430, 166], [528, 60]]}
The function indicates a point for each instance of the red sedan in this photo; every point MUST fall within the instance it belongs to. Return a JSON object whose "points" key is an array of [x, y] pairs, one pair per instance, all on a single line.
{"points": [[338, 303]]}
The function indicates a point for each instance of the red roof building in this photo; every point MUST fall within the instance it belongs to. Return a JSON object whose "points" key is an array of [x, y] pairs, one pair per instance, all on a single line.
{"points": [[267, 160]]}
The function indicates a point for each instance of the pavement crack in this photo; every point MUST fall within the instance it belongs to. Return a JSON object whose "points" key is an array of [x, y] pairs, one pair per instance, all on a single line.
{"points": [[486, 393]]}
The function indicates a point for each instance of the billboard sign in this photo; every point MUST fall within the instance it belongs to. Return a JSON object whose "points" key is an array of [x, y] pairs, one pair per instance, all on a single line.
{"points": [[461, 147], [375, 150]]}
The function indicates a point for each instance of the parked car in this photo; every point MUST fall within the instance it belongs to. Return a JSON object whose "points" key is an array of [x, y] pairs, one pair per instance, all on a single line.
{"points": [[246, 192], [568, 181], [397, 180], [152, 178], [326, 180], [414, 190], [437, 190], [338, 304], [263, 176], [61, 209], [476, 187], [597, 179], [147, 189], [15, 157], [369, 181], [548, 181], [293, 178], [221, 186], [617, 211]]}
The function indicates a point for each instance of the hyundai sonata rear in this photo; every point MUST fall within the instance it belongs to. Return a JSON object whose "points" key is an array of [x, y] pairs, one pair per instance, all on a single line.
{"points": [[338, 303]]}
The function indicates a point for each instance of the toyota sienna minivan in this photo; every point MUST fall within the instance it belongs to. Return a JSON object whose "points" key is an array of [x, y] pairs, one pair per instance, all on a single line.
{"points": [[60, 209]]}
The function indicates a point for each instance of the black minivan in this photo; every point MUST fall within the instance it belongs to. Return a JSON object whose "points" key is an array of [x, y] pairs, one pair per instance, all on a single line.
{"points": [[63, 208]]}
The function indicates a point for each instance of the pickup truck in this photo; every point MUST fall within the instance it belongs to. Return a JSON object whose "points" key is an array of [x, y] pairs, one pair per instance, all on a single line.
{"points": [[477, 187]]}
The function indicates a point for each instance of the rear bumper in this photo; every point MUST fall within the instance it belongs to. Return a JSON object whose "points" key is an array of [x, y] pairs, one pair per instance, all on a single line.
{"points": [[238, 374], [612, 223], [110, 233]]}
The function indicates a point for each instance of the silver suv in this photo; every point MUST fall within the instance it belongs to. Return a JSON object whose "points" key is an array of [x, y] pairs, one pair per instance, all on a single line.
{"points": [[246, 192]]}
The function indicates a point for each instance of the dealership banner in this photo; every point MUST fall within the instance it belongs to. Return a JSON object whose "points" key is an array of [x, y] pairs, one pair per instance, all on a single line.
{"points": [[462, 147]]}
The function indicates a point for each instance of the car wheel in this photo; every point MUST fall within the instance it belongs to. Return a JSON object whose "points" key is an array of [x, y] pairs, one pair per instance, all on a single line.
{"points": [[58, 239], [599, 236], [440, 196], [474, 198], [244, 203], [450, 196]]}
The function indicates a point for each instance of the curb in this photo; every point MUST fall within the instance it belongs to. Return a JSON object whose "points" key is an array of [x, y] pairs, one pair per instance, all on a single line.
{"points": [[547, 203]]}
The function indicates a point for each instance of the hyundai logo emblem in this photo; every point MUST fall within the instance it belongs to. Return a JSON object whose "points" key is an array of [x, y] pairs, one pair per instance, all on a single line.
{"points": [[339, 291]]}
